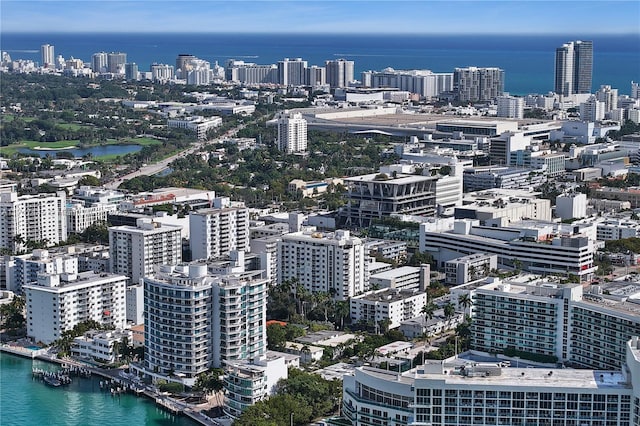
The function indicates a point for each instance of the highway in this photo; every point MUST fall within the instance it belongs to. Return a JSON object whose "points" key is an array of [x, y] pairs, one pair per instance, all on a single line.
{"points": [[155, 168]]}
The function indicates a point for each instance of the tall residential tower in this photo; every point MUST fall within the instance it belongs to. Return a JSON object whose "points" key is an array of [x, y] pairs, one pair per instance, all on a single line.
{"points": [[574, 68]]}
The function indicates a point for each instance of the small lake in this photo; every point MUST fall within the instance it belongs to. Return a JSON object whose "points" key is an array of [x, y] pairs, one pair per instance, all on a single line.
{"points": [[96, 151]]}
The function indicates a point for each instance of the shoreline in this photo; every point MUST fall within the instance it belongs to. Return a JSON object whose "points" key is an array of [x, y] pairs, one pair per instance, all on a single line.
{"points": [[165, 402]]}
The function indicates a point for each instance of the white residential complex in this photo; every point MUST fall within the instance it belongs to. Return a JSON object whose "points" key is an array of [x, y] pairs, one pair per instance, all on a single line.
{"points": [[535, 247], [136, 250], [510, 107], [79, 217], [57, 302], [217, 231], [292, 132], [324, 262], [459, 392], [339, 72], [392, 305], [32, 218], [422, 82], [195, 320], [24, 269]]}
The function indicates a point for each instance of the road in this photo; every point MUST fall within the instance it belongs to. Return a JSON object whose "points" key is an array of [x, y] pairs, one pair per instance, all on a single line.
{"points": [[155, 168]]}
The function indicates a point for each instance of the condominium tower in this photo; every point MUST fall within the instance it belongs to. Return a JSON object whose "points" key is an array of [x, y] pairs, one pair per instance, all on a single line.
{"points": [[574, 68], [292, 132], [136, 250], [478, 84], [339, 72], [48, 55]]}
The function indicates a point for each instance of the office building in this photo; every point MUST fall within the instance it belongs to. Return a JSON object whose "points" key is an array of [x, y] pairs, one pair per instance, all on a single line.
{"points": [[32, 218], [292, 132], [510, 107], [612, 229], [57, 302], [574, 68], [198, 124], [531, 246], [375, 196], [47, 53], [510, 205], [339, 72], [137, 250], [463, 392], [225, 321], [333, 263], [478, 84], [115, 62], [99, 62], [292, 72], [131, 71], [217, 231]]}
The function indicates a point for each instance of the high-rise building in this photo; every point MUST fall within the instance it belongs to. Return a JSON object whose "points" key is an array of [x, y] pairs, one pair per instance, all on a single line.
{"points": [[131, 71], [423, 82], [136, 250], [339, 72], [574, 68], [608, 96], [478, 84], [592, 110], [510, 107], [292, 132], [32, 218], [292, 72], [635, 90], [115, 62], [161, 72], [99, 62], [182, 64], [58, 302], [333, 262], [225, 321], [316, 76], [48, 56], [217, 231]]}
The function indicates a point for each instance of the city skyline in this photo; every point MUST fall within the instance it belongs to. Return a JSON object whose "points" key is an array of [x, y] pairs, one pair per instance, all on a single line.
{"points": [[354, 16]]}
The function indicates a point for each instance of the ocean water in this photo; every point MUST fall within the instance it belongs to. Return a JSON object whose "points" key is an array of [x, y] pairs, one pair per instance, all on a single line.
{"points": [[28, 402], [528, 60]]}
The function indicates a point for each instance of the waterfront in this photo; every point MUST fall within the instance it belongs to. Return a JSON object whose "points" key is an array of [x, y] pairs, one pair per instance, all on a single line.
{"points": [[28, 402], [95, 151]]}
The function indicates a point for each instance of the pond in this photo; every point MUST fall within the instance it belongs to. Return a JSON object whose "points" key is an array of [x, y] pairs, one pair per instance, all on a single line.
{"points": [[96, 151]]}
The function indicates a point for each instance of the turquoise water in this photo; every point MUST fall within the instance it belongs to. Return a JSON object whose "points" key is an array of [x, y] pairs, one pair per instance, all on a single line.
{"points": [[28, 402]]}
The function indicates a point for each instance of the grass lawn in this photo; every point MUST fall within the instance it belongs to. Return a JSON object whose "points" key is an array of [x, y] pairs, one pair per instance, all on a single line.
{"points": [[71, 126]]}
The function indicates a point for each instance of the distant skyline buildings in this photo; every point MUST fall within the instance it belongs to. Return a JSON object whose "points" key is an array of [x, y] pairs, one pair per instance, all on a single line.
{"points": [[574, 68], [47, 53]]}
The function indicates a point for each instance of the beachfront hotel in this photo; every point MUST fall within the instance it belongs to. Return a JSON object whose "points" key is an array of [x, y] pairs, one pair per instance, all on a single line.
{"points": [[463, 392], [57, 302]]}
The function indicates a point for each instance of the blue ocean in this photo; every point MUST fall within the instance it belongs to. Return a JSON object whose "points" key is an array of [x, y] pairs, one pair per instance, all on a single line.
{"points": [[528, 60]]}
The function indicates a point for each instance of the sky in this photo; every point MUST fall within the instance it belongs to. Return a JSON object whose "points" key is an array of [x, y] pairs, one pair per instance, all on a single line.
{"points": [[323, 16]]}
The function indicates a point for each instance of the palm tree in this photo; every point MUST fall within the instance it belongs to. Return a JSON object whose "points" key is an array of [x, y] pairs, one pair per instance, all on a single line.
{"points": [[449, 311], [427, 311], [341, 310], [465, 301]]}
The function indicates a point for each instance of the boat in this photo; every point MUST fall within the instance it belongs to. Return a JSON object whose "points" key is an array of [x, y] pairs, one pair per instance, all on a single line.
{"points": [[52, 381]]}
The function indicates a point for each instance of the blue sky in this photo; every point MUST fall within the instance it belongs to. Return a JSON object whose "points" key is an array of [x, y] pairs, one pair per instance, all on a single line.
{"points": [[343, 16]]}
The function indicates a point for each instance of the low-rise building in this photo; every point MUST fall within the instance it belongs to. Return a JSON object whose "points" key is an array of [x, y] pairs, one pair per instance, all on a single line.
{"points": [[468, 268], [101, 346], [387, 305], [402, 278], [197, 124]]}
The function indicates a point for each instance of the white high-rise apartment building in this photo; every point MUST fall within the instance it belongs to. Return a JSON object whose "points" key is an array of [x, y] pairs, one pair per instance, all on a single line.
{"points": [[592, 110], [332, 262], [161, 72], [56, 303], [32, 218], [510, 107], [339, 72], [48, 56], [215, 232], [136, 250], [115, 62], [608, 96], [99, 62], [195, 320], [423, 82], [292, 132], [292, 72], [79, 217], [571, 205], [24, 269]]}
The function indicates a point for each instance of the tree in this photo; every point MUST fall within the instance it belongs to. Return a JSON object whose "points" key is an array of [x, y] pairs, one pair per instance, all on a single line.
{"points": [[465, 301], [449, 311], [278, 410], [89, 181], [341, 311], [276, 337]]}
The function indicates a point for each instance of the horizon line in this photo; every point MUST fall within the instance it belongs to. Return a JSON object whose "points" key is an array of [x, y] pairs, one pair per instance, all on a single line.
{"points": [[439, 33]]}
